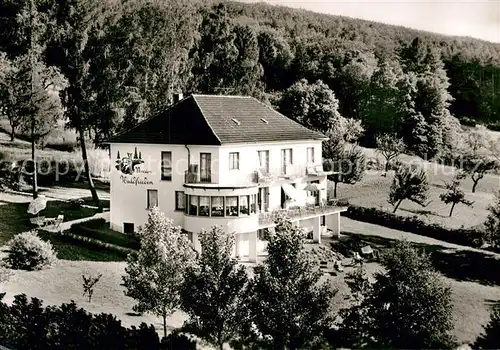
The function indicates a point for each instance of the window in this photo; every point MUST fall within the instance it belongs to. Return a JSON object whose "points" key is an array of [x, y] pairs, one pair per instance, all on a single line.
{"points": [[179, 200], [204, 206], [234, 160], [244, 205], [218, 206], [232, 206], [286, 160], [128, 227], [166, 166], [310, 155], [264, 161], [206, 167], [253, 204], [152, 198], [193, 205]]}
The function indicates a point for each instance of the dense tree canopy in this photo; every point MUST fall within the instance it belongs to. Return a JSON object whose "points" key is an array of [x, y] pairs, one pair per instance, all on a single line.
{"points": [[138, 52]]}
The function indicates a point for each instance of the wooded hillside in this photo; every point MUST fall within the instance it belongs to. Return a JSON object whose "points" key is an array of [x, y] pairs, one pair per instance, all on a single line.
{"points": [[134, 54]]}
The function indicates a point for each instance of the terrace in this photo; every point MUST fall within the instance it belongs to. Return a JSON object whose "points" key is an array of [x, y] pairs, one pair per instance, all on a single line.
{"points": [[267, 219]]}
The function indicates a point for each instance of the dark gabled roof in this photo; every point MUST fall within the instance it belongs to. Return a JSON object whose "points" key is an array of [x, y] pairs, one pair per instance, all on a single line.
{"points": [[217, 120]]}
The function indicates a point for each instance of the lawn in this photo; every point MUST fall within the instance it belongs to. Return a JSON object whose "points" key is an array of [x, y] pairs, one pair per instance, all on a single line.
{"points": [[373, 191], [15, 220]]}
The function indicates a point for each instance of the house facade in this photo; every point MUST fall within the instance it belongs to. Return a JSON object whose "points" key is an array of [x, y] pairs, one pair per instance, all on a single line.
{"points": [[221, 160]]}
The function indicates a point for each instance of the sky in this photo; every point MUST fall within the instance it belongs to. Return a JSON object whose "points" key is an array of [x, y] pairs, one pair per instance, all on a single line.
{"points": [[473, 18]]}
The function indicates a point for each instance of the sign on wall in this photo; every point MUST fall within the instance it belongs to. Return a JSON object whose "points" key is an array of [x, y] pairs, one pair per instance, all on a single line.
{"points": [[130, 168]]}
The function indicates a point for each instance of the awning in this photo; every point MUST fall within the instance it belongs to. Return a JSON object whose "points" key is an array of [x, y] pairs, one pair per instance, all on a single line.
{"points": [[311, 187], [290, 191]]}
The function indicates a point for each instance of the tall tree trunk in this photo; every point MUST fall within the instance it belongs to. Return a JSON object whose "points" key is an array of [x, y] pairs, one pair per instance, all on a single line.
{"points": [[386, 165], [335, 189], [35, 169], [92, 189], [474, 185], [12, 133], [397, 206], [452, 207]]}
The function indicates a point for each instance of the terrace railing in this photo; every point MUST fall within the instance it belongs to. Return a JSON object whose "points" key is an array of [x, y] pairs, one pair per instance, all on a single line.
{"points": [[294, 213]]}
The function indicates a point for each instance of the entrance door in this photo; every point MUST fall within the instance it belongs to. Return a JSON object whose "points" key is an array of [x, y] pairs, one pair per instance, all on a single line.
{"points": [[206, 167]]}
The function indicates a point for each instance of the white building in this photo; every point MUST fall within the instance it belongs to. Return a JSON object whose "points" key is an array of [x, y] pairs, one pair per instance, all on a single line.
{"points": [[221, 160]]}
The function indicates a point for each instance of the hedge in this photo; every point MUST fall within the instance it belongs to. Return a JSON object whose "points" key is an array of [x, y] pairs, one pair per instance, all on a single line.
{"points": [[97, 229], [27, 324], [467, 237]]}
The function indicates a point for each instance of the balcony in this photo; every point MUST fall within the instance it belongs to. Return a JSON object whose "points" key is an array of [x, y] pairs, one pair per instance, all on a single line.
{"points": [[298, 213], [289, 172], [195, 177]]}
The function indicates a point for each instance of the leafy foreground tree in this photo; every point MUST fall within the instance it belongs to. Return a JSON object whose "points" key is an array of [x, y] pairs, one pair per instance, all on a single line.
{"points": [[492, 224], [490, 338], [411, 183], [407, 307], [212, 293], [288, 308], [390, 147], [454, 194], [154, 278]]}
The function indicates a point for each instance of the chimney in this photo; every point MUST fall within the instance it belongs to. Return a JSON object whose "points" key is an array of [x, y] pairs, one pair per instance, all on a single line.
{"points": [[177, 97]]}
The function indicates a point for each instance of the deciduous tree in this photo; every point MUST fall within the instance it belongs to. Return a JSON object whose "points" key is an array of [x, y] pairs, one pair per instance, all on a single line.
{"points": [[288, 306], [349, 164], [390, 146], [408, 286], [155, 276], [454, 194], [492, 224], [411, 183], [212, 294]]}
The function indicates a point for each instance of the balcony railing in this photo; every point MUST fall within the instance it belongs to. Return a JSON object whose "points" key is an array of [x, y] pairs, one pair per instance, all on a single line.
{"points": [[266, 218], [261, 175], [192, 177]]}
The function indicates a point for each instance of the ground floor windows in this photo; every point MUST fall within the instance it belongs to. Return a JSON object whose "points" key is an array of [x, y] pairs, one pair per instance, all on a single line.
{"points": [[128, 227], [179, 200], [219, 206], [152, 198]]}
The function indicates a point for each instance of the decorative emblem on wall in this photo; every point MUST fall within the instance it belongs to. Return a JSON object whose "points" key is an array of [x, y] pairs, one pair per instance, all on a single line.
{"points": [[127, 165]]}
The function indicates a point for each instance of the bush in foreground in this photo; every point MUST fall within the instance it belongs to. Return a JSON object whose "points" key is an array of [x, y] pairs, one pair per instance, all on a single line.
{"points": [[27, 251], [490, 338]]}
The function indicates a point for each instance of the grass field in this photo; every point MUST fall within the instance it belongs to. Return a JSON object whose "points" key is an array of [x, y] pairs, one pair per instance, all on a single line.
{"points": [[373, 191]]}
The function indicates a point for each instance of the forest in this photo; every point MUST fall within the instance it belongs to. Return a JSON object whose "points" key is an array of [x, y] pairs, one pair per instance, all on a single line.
{"points": [[103, 66]]}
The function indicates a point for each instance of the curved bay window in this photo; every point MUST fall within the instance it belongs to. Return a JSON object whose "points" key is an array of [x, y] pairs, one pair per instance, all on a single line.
{"points": [[204, 206], [220, 206], [217, 206], [193, 205], [253, 203], [232, 206], [244, 205]]}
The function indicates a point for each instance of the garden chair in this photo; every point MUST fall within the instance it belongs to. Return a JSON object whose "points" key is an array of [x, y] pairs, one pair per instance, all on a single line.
{"points": [[59, 220]]}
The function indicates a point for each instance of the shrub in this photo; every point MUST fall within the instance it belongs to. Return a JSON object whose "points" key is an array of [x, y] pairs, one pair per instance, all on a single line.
{"points": [[27, 251], [468, 237]]}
